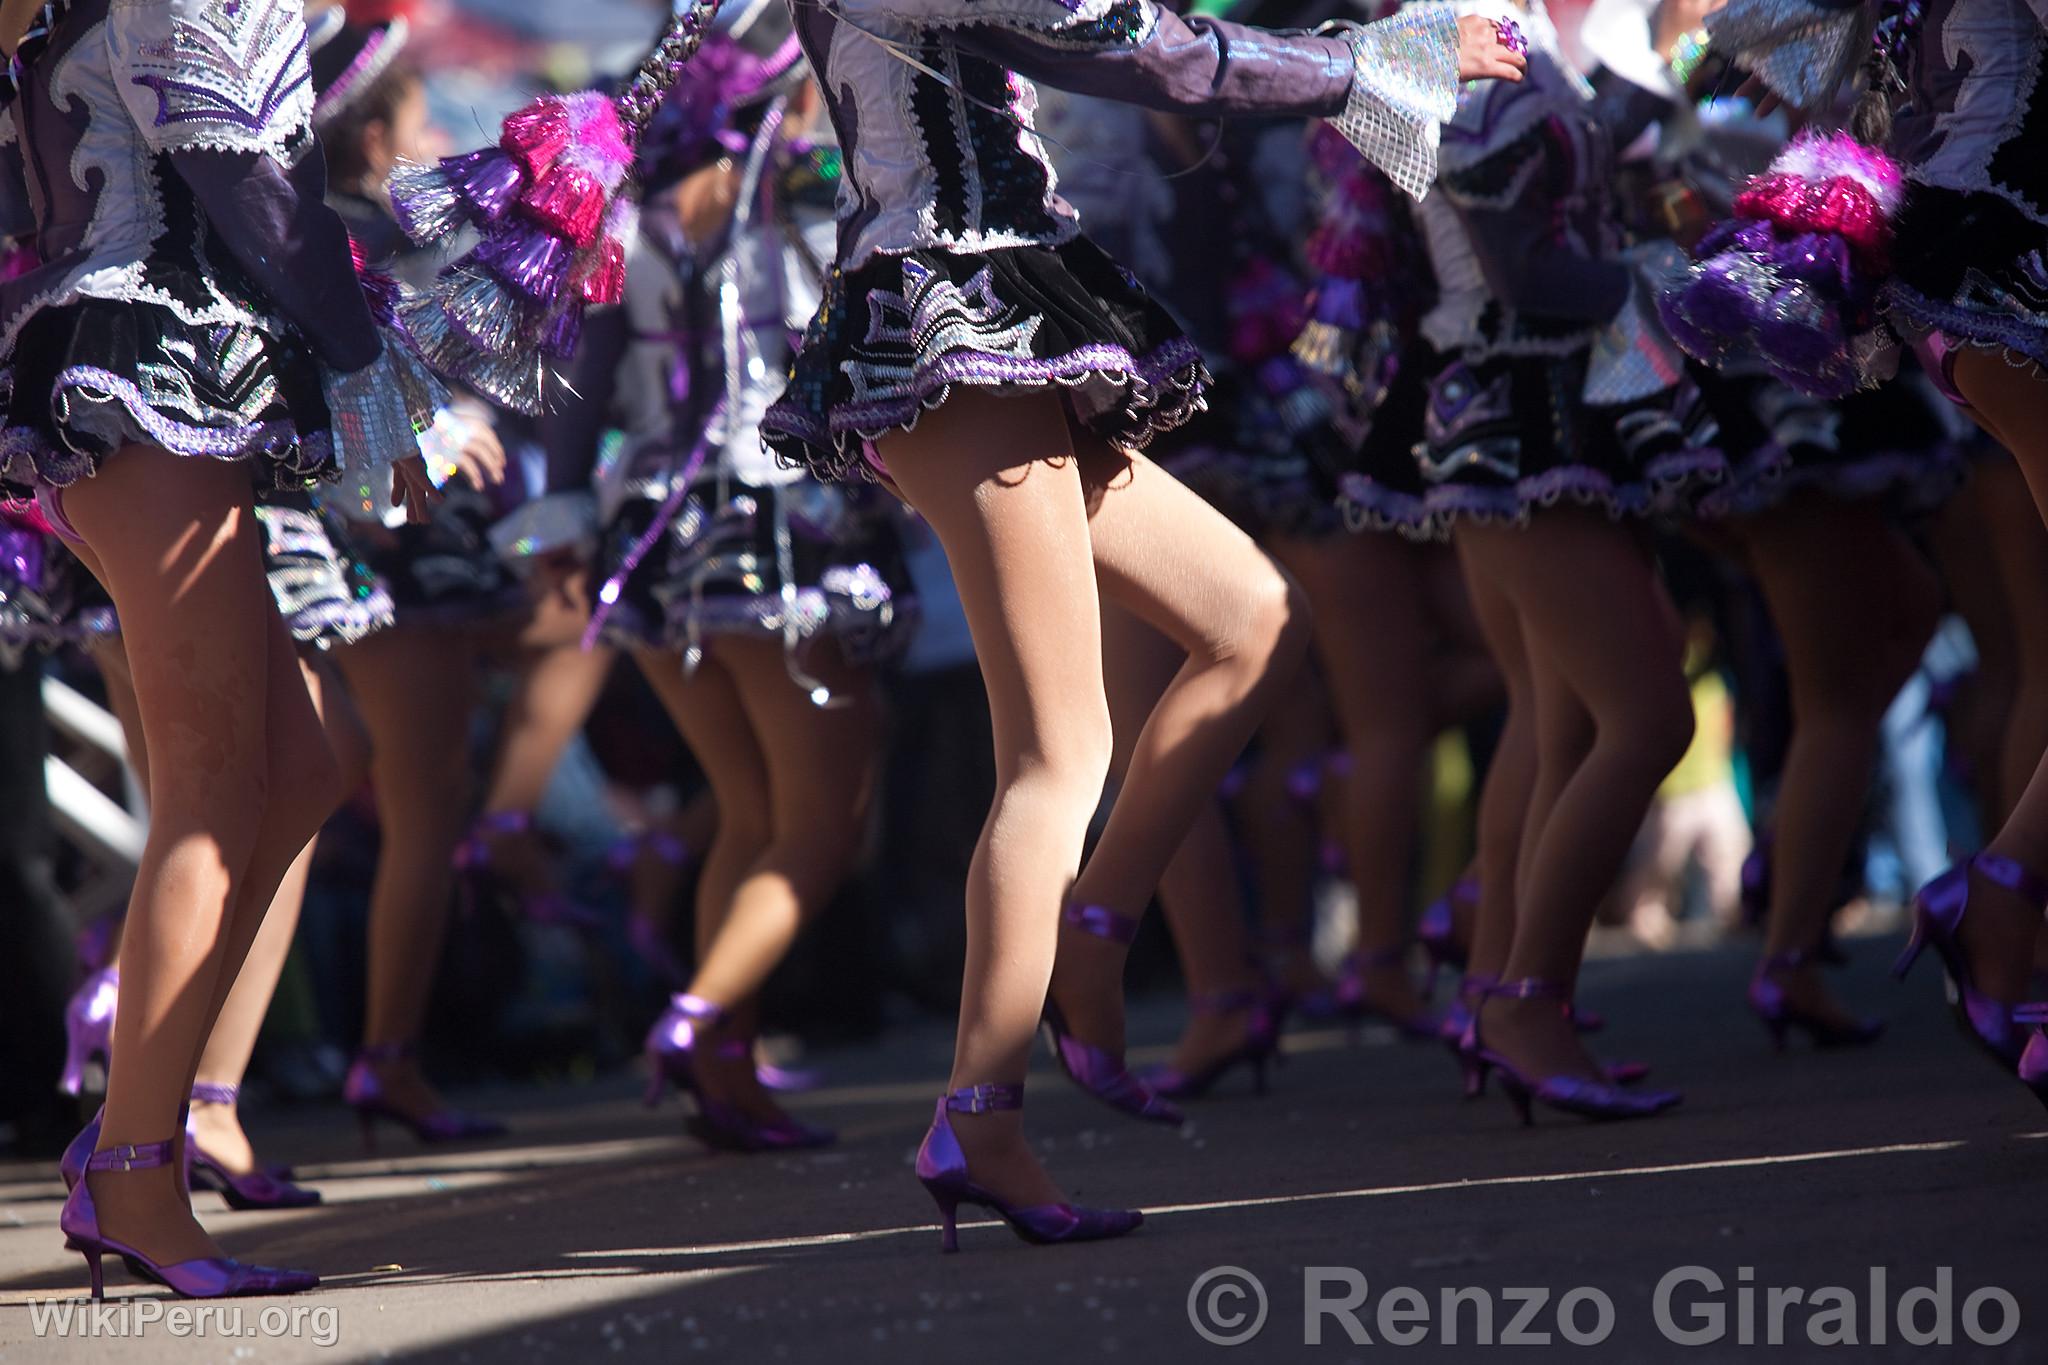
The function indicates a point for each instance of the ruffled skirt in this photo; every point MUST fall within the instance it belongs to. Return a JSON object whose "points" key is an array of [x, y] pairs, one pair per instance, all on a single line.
{"points": [[442, 572], [325, 596], [897, 336], [1508, 435], [1972, 266], [90, 377], [830, 565]]}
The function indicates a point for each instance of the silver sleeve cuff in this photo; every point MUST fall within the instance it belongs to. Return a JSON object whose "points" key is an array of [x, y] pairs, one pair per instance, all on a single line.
{"points": [[1803, 51], [1404, 87], [377, 414]]}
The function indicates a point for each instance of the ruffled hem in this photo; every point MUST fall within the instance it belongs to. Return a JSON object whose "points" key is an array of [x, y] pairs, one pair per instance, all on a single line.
{"points": [[1989, 329], [1669, 485], [897, 337], [1165, 386], [71, 398]]}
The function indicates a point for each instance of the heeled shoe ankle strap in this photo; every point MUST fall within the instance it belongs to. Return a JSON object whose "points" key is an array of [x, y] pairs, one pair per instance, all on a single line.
{"points": [[1477, 983], [1227, 1002], [2033, 1012], [697, 1008], [985, 1099], [212, 1092], [1101, 921], [1529, 988], [137, 1156], [2014, 876]]}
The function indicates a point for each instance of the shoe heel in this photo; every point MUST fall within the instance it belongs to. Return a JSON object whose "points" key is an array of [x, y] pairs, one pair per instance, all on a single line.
{"points": [[1475, 1076], [949, 1215], [92, 1266], [1915, 945], [657, 1082], [1519, 1097]]}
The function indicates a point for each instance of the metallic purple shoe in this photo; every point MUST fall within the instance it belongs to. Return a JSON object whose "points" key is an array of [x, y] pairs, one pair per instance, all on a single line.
{"points": [[2034, 1059], [1355, 1005], [1437, 932], [942, 1167], [72, 1164], [479, 883], [1458, 1018], [89, 1027], [1101, 1073], [1568, 1094], [365, 1094], [210, 1277], [1767, 997], [1938, 919], [257, 1189], [673, 1044], [1261, 1045]]}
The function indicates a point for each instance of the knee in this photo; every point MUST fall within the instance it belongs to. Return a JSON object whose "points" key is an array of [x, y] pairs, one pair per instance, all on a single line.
{"points": [[1275, 635], [1659, 726], [1072, 765]]}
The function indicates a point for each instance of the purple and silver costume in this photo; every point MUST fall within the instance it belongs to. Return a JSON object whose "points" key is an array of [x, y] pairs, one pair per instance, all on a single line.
{"points": [[1970, 131], [958, 262], [1560, 385], [192, 292]]}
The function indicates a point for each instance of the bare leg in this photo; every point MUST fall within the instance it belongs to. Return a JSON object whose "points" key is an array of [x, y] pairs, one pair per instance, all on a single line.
{"points": [[1851, 641], [1999, 933], [1983, 714], [176, 544], [225, 1058], [1175, 562], [1281, 835], [1372, 635], [1198, 892], [415, 688], [558, 688], [819, 768], [1504, 796], [1621, 666], [997, 481]]}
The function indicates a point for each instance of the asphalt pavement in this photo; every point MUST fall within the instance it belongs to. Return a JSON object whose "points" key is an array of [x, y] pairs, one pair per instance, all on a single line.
{"points": [[1364, 1195]]}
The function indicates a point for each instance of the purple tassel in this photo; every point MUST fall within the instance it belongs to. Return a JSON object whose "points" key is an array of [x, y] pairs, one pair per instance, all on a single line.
{"points": [[529, 260], [519, 381], [1820, 260], [489, 181]]}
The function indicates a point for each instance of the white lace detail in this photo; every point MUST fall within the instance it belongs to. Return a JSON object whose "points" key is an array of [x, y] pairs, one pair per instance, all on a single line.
{"points": [[1404, 88], [219, 75]]}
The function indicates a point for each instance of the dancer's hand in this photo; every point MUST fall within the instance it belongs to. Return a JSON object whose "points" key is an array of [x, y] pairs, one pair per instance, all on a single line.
{"points": [[1490, 50], [480, 458], [413, 490]]}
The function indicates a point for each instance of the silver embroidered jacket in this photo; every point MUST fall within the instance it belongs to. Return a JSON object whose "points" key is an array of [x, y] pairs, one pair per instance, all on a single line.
{"points": [[933, 101]]}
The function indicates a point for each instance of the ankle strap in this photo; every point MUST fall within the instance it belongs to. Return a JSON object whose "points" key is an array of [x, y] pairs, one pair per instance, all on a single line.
{"points": [[1101, 921], [1227, 1002], [209, 1092], [2014, 876], [1529, 988], [139, 1156], [1477, 983], [696, 1007], [386, 1052], [985, 1099], [2033, 1012]]}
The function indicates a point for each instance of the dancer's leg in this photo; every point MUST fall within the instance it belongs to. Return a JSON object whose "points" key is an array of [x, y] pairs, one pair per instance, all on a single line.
{"points": [[1198, 892], [1370, 604], [997, 481], [415, 688], [1621, 665], [179, 551], [1851, 641], [1504, 794], [225, 1057], [1281, 836], [2011, 402], [1175, 562], [558, 688]]}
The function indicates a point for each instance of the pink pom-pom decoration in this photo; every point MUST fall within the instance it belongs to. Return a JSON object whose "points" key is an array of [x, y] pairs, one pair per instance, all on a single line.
{"points": [[502, 318], [538, 133], [1793, 278]]}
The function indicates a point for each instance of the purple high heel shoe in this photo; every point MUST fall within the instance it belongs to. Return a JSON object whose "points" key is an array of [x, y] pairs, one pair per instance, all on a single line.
{"points": [[2034, 1057], [1101, 1073], [1937, 920], [208, 1277], [480, 883], [89, 1027], [1568, 1094], [942, 1167], [1355, 1005], [257, 1189], [1261, 1045], [1437, 932], [1458, 1018], [365, 1093], [1775, 1008], [672, 1047]]}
